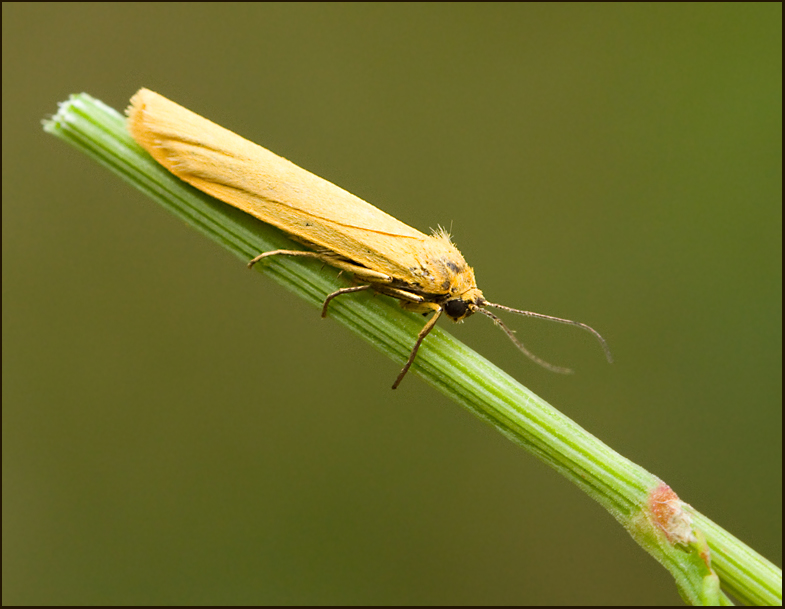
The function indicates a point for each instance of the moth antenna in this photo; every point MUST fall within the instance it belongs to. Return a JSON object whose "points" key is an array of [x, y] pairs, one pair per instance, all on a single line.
{"points": [[524, 350], [569, 322]]}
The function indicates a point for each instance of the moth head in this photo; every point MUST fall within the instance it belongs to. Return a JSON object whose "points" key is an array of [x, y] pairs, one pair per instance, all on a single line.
{"points": [[463, 305]]}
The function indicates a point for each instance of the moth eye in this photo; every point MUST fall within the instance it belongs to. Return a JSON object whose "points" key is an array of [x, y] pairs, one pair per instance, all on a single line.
{"points": [[456, 308]]}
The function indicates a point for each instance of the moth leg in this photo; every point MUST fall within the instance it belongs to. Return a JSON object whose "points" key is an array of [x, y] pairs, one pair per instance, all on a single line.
{"points": [[408, 300], [409, 297], [358, 288], [286, 253], [360, 272], [363, 273], [420, 337]]}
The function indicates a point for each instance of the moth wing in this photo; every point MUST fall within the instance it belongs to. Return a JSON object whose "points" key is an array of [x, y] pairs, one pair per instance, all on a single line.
{"points": [[247, 176]]}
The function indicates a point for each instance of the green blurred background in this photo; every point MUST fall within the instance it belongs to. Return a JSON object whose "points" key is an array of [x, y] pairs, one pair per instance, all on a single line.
{"points": [[179, 430]]}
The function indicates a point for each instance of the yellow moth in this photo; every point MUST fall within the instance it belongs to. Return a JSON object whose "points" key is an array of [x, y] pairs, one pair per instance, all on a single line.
{"points": [[426, 273]]}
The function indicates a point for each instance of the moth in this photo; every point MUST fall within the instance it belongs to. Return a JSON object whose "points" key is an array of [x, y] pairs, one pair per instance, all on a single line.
{"points": [[426, 273]]}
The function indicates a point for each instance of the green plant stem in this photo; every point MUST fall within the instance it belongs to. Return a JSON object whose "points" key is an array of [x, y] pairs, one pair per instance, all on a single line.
{"points": [[678, 537]]}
